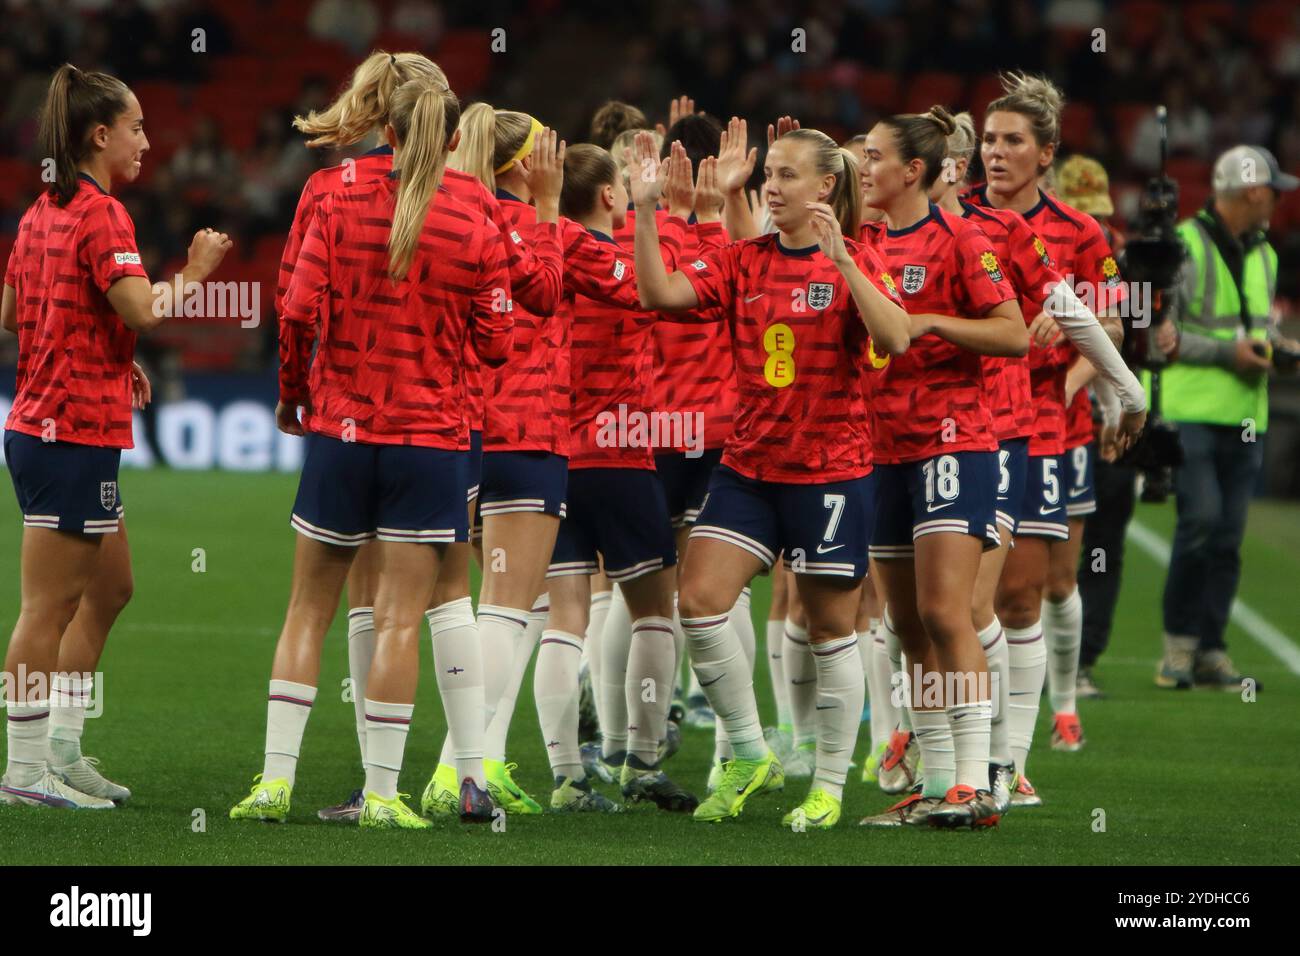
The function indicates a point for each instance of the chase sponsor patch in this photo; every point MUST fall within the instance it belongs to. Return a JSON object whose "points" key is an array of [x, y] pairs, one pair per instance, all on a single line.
{"points": [[620, 269], [126, 258], [699, 265]]}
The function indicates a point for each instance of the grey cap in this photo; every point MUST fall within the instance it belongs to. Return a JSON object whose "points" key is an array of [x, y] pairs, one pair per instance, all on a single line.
{"points": [[1245, 166]]}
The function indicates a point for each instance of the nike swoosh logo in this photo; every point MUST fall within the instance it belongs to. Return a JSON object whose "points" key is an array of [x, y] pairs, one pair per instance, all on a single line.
{"points": [[793, 681], [1048, 511], [751, 298], [931, 509], [708, 683], [821, 550], [1075, 494], [830, 707], [819, 819]]}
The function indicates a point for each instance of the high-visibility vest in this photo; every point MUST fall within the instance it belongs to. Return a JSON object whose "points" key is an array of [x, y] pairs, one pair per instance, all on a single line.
{"points": [[1211, 394]]}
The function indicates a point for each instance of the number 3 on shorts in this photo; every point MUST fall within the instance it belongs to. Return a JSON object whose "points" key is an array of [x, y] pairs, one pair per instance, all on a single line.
{"points": [[835, 503]]}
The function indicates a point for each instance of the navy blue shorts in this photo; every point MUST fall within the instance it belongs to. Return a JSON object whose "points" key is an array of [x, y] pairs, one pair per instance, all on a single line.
{"points": [[823, 528], [954, 493], [1080, 496], [1043, 513], [64, 486], [1013, 465], [515, 481], [686, 482], [475, 468], [619, 513], [351, 492]]}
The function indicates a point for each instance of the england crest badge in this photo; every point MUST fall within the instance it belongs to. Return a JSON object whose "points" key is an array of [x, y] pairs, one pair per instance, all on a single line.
{"points": [[108, 495], [913, 279], [820, 295]]}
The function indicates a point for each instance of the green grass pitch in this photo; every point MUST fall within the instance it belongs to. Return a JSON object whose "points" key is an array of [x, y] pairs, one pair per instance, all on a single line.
{"points": [[1183, 778]]}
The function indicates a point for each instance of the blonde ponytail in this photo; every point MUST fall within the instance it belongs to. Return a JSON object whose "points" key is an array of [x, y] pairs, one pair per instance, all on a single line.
{"points": [[424, 116], [490, 141], [365, 103]]}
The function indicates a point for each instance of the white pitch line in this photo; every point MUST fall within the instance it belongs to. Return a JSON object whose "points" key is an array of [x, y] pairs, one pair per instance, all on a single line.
{"points": [[1245, 616]]}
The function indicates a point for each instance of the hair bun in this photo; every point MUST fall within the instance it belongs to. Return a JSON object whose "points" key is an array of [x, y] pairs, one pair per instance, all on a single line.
{"points": [[941, 116]]}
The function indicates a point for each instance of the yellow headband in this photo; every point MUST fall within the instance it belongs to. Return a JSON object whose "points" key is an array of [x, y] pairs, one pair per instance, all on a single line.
{"points": [[523, 150]]}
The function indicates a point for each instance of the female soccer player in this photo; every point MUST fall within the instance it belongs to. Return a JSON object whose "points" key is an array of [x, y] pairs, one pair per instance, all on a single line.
{"points": [[800, 310], [1021, 130], [359, 112], [76, 295], [521, 495], [611, 463], [937, 475], [387, 433]]}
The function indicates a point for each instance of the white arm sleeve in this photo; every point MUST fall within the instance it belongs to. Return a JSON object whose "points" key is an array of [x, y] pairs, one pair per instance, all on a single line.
{"points": [[1081, 327]]}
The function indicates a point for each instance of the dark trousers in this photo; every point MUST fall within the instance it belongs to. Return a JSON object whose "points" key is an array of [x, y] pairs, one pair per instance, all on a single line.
{"points": [[1213, 494], [1101, 564]]}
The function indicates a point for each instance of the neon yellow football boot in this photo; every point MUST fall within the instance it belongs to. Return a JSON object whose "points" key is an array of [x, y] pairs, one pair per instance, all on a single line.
{"points": [[268, 800]]}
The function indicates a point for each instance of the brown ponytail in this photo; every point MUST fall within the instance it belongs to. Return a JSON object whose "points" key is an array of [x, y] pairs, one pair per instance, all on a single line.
{"points": [[76, 103], [424, 115], [923, 136]]}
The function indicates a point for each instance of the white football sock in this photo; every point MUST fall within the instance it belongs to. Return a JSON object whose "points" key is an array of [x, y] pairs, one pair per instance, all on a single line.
{"points": [[725, 675], [288, 706], [775, 646], [616, 639], [801, 683], [361, 651], [970, 741], [593, 650], [841, 687], [524, 640], [897, 672], [938, 755], [500, 636], [998, 657], [28, 730], [555, 688], [649, 686], [458, 662], [387, 726], [68, 702], [1063, 634], [743, 621], [884, 709], [1027, 663]]}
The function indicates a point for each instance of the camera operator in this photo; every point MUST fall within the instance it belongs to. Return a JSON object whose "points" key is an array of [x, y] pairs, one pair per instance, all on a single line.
{"points": [[1084, 185], [1217, 393]]}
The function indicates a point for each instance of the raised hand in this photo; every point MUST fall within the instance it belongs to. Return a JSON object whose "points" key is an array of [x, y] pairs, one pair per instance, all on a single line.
{"points": [[545, 175], [708, 197], [679, 107], [646, 172], [679, 191], [735, 164], [827, 229], [206, 252], [784, 124]]}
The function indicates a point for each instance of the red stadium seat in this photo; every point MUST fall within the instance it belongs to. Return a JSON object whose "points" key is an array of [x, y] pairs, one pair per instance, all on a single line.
{"points": [[878, 89], [1271, 23], [464, 56], [1197, 16], [1076, 125], [1140, 21], [1127, 116], [985, 91], [928, 89]]}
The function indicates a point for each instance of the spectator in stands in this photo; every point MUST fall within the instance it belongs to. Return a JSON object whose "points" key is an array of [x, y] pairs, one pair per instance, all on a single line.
{"points": [[1189, 130], [351, 23]]}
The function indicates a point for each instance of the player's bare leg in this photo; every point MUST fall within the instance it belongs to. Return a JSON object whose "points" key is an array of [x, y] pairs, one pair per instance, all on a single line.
{"points": [[57, 568], [780, 737], [73, 685]]}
